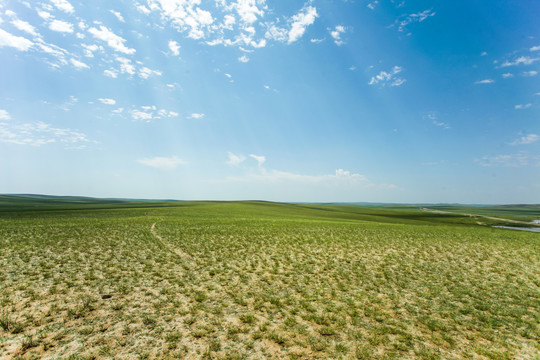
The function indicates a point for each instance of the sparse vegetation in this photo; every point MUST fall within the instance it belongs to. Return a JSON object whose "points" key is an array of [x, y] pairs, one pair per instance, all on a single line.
{"points": [[259, 280]]}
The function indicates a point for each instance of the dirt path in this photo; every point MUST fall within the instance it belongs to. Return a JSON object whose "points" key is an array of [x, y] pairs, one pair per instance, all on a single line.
{"points": [[482, 216], [166, 245]]}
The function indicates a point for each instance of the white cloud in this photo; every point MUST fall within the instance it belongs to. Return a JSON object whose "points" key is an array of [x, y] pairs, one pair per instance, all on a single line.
{"points": [[125, 65], [90, 49], [148, 113], [186, 15], [483, 53], [485, 81], [4, 115], [339, 177], [441, 124], [522, 106], [248, 10], [79, 64], [434, 119], [336, 34], [509, 160], [17, 42], [145, 72], [163, 163], [405, 20], [507, 75], [316, 41], [388, 78], [529, 73], [44, 15], [535, 48], [522, 60], [235, 160], [259, 158], [63, 5], [373, 4], [277, 33], [118, 15], [243, 59], [525, 140], [196, 116], [175, 47], [111, 73], [113, 40], [300, 22], [107, 101], [61, 26], [56, 52], [24, 26], [141, 115], [143, 9], [39, 133]]}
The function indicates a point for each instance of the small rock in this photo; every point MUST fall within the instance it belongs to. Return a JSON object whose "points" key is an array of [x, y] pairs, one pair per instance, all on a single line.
{"points": [[106, 296]]}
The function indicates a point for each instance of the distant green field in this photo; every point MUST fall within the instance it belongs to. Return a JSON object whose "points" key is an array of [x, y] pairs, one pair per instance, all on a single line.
{"points": [[255, 280]]}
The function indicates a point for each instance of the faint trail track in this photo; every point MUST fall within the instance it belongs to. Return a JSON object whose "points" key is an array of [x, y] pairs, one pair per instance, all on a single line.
{"points": [[483, 216], [166, 245]]}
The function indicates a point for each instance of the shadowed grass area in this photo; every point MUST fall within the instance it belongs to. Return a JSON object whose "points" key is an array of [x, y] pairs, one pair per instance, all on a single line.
{"points": [[252, 280]]}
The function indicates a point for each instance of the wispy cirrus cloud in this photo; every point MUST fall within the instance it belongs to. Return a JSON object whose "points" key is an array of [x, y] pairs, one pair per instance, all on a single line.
{"points": [[522, 60], [526, 140], [234, 160], [118, 15], [388, 78], [260, 174], [163, 163], [40, 133], [259, 158], [520, 159], [403, 21], [79, 64], [522, 106], [148, 113], [113, 41], [484, 81], [435, 121]]}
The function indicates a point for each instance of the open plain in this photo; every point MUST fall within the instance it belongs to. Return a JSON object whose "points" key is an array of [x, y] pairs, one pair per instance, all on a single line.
{"points": [[100, 279]]}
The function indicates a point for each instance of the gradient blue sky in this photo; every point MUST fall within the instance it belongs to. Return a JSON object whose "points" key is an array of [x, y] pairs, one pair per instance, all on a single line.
{"points": [[379, 101]]}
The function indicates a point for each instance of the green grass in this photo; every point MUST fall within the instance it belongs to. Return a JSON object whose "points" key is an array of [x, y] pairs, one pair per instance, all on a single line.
{"points": [[252, 280]]}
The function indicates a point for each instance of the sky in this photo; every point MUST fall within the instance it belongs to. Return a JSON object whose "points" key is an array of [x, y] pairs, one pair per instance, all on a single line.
{"points": [[303, 101]]}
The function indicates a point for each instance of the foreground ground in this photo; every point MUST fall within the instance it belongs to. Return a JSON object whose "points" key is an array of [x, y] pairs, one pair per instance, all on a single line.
{"points": [[259, 280]]}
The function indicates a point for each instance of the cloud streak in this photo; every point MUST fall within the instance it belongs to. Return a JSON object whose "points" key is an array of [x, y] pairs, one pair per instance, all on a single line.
{"points": [[526, 140], [388, 78], [163, 163]]}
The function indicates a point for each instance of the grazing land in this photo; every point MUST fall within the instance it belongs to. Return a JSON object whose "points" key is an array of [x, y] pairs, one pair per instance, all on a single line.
{"points": [[100, 279]]}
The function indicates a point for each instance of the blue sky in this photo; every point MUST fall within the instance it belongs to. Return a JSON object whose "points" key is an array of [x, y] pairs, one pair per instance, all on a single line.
{"points": [[321, 101]]}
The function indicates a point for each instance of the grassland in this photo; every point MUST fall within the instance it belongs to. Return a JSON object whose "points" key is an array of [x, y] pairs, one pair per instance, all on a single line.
{"points": [[253, 280]]}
